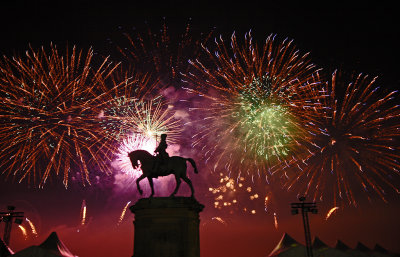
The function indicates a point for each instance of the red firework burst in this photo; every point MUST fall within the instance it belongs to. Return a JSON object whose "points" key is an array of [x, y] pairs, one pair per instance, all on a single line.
{"points": [[49, 113], [357, 146]]}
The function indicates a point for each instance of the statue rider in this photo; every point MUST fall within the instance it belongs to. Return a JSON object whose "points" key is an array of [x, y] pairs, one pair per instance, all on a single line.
{"points": [[161, 154]]}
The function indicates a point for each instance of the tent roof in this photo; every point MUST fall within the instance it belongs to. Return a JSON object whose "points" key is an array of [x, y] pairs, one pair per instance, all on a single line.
{"points": [[361, 247], [288, 247], [51, 247], [317, 244], [53, 243], [341, 246], [380, 249], [285, 243]]}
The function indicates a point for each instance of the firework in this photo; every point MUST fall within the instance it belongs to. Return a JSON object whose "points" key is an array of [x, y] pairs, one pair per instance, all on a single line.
{"points": [[83, 213], [256, 102], [330, 212], [149, 118], [23, 230], [356, 149], [131, 143], [49, 114], [219, 219], [163, 53], [145, 122], [275, 221], [121, 218], [33, 228], [240, 196]]}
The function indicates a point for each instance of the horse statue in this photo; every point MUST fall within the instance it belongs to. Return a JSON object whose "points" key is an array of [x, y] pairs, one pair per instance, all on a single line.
{"points": [[174, 165]]}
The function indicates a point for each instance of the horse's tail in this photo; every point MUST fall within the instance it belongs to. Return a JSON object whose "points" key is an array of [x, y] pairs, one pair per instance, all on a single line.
{"points": [[193, 164]]}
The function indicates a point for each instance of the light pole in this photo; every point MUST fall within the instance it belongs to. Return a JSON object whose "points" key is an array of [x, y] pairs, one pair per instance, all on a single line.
{"points": [[8, 217], [305, 209]]}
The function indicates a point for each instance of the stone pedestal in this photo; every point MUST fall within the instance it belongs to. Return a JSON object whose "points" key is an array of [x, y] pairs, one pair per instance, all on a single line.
{"points": [[166, 227]]}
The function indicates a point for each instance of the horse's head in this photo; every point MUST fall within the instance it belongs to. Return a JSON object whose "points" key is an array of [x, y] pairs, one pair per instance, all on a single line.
{"points": [[134, 159], [138, 156]]}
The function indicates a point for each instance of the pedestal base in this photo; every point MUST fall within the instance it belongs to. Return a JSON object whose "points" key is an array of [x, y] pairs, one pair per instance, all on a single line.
{"points": [[166, 227]]}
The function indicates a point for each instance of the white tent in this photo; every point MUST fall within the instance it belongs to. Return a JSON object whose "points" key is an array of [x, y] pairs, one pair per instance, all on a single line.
{"points": [[320, 249], [288, 247], [51, 247], [379, 251]]}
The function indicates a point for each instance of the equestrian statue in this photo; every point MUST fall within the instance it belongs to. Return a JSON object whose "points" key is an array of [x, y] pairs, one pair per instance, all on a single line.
{"points": [[161, 165]]}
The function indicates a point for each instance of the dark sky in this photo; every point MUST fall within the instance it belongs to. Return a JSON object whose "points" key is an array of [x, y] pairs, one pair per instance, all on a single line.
{"points": [[359, 38], [363, 37]]}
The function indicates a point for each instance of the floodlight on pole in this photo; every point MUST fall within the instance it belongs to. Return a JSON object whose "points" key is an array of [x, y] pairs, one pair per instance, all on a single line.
{"points": [[305, 209], [8, 217]]}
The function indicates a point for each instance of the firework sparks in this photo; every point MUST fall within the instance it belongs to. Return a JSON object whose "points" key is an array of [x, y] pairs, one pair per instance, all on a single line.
{"points": [[83, 213], [129, 144], [357, 147], [153, 119], [275, 221], [257, 104], [161, 52], [220, 220], [23, 230], [49, 108], [266, 202], [236, 196], [32, 226], [146, 121], [121, 218], [331, 211], [127, 110]]}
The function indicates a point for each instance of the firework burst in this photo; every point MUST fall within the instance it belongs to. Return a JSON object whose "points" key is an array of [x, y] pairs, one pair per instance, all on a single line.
{"points": [[145, 121], [243, 197], [257, 102], [162, 52], [124, 116], [131, 143], [356, 149], [49, 108]]}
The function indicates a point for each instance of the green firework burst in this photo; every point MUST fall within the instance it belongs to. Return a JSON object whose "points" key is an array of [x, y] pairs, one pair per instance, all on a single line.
{"points": [[265, 123]]}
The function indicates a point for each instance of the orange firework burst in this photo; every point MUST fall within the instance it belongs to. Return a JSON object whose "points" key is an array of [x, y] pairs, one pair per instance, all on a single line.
{"points": [[49, 114], [164, 53], [357, 147], [255, 112]]}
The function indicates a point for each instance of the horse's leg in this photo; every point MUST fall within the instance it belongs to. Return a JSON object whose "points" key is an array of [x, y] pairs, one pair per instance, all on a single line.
{"points": [[187, 180], [151, 186], [137, 183], [178, 182]]}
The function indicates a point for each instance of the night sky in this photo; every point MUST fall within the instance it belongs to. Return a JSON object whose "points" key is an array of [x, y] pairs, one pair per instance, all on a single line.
{"points": [[355, 38]]}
